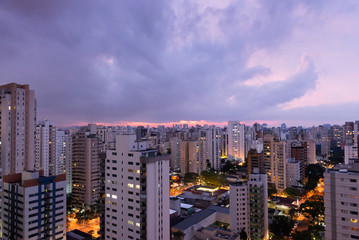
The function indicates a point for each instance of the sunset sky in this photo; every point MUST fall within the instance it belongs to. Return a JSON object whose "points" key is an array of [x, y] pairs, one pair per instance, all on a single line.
{"points": [[163, 61]]}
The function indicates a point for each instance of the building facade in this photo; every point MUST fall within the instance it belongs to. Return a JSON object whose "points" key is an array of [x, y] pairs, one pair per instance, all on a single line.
{"points": [[137, 192], [34, 206]]}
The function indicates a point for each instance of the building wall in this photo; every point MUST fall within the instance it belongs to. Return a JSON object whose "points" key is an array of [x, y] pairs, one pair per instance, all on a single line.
{"points": [[341, 205], [236, 140]]}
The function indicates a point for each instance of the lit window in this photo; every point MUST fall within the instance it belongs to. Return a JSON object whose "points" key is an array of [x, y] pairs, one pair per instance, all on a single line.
{"points": [[130, 222], [138, 186], [114, 196], [130, 185]]}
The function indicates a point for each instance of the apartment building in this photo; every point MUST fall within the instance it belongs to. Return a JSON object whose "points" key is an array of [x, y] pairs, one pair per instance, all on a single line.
{"points": [[341, 201], [34, 206], [137, 191], [249, 206]]}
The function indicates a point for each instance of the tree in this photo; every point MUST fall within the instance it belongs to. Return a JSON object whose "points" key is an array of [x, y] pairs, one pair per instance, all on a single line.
{"points": [[313, 210], [213, 178], [228, 167], [314, 172], [303, 235], [191, 177], [292, 192], [271, 191], [310, 185], [243, 235], [178, 235], [281, 226]]}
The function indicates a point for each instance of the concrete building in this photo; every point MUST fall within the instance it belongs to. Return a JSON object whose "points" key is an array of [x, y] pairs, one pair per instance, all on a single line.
{"points": [[268, 148], [294, 172], [341, 203], [350, 153], [137, 192], [200, 225], [49, 149], [68, 161], [34, 206], [236, 140], [255, 160], [213, 147], [175, 162], [278, 166], [249, 206], [86, 149], [17, 121]]}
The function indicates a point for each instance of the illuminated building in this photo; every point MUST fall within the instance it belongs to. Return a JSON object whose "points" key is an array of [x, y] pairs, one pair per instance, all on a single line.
{"points": [[341, 203], [236, 140], [34, 206], [248, 204], [137, 191], [86, 147]]}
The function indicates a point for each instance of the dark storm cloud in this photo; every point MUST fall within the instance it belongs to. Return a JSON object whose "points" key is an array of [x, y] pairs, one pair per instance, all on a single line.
{"points": [[147, 61]]}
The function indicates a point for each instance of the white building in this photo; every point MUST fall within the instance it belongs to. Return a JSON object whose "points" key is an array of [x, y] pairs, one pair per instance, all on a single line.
{"points": [[341, 201], [137, 192], [68, 161], [278, 166], [350, 153], [248, 204], [294, 172], [17, 121], [236, 140], [213, 147], [34, 206]]}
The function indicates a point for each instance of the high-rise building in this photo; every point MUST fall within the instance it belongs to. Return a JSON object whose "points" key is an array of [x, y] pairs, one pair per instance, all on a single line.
{"points": [[137, 191], [213, 147], [338, 135], [350, 154], [294, 172], [278, 166], [68, 161], [86, 149], [348, 133], [49, 149], [268, 148], [18, 119], [175, 154], [34, 206], [236, 140], [255, 160], [224, 144], [249, 206], [341, 203]]}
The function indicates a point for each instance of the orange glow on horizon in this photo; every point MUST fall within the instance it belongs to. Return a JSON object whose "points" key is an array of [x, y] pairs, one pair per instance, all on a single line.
{"points": [[170, 124]]}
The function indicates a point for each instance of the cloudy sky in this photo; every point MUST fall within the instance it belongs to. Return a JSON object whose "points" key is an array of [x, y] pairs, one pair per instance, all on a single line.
{"points": [[170, 60]]}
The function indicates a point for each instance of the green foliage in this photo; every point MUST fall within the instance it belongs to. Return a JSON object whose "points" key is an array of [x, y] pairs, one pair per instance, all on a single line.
{"points": [[313, 210], [314, 172], [178, 235], [271, 191], [292, 192], [243, 235], [213, 178], [191, 177], [229, 167], [281, 227], [303, 235], [310, 185]]}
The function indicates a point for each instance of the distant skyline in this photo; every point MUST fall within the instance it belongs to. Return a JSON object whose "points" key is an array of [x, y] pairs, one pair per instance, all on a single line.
{"points": [[165, 61]]}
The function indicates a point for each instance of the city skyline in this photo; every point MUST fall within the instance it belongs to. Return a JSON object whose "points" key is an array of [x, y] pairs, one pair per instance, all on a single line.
{"points": [[170, 61]]}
